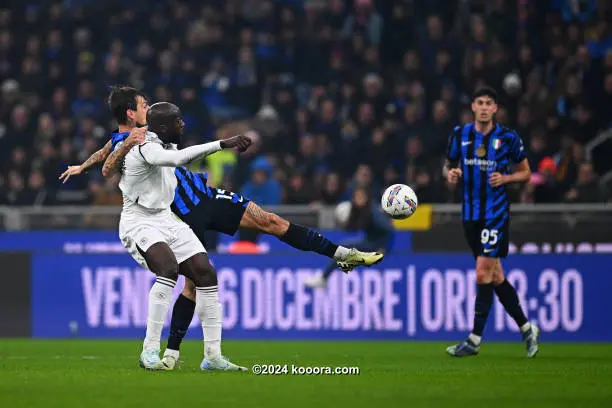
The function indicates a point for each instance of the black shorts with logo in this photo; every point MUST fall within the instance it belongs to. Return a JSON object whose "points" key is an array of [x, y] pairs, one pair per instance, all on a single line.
{"points": [[219, 211], [488, 238]]}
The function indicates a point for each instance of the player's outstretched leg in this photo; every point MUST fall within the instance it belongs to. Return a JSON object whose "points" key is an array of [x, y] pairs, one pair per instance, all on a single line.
{"points": [[162, 262], [485, 268], [509, 299], [305, 239], [320, 280], [207, 307], [182, 314]]}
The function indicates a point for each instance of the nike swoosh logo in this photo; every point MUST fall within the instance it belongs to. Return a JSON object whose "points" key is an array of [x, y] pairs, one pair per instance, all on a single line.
{"points": [[465, 143], [486, 251]]}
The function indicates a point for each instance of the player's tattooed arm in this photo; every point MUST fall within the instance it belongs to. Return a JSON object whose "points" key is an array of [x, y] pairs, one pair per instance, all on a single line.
{"points": [[94, 159], [97, 157], [115, 160]]}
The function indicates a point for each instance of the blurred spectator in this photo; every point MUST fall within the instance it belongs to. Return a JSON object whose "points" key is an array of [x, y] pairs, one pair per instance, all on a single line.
{"points": [[364, 20], [336, 93], [300, 190], [586, 189], [262, 188]]}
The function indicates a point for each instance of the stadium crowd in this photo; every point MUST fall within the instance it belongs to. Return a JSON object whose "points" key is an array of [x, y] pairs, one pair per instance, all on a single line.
{"points": [[335, 93]]}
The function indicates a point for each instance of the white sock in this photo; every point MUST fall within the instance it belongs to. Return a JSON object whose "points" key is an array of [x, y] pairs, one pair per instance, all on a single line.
{"points": [[525, 327], [172, 353], [341, 253], [209, 311], [475, 339], [160, 297]]}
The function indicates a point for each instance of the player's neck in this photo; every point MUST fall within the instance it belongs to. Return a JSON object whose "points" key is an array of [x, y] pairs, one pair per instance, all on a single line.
{"points": [[125, 128], [484, 127]]}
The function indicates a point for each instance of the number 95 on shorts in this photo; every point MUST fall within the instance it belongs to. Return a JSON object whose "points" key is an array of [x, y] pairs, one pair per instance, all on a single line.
{"points": [[292, 369], [488, 238]]}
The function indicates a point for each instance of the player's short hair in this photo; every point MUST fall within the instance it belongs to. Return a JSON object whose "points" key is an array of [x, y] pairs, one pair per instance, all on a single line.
{"points": [[121, 99], [485, 91]]}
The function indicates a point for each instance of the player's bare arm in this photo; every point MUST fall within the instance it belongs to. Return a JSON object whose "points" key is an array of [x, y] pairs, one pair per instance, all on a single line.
{"points": [[451, 172], [521, 175], [94, 159], [114, 160], [240, 142]]}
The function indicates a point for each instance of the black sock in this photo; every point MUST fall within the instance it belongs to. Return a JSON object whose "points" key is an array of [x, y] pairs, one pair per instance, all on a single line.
{"points": [[306, 239], [507, 296], [484, 300], [182, 314]]}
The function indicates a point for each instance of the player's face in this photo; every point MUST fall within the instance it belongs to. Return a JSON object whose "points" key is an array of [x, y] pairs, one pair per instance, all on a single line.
{"points": [[484, 109], [139, 116]]}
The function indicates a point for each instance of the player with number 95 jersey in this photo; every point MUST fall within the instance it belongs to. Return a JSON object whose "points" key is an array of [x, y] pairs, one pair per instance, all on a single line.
{"points": [[481, 155]]}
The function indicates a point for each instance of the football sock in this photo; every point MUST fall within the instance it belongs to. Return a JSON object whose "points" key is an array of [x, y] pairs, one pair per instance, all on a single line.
{"points": [[306, 239], [475, 339], [484, 300], [208, 309], [182, 314], [507, 296], [160, 297]]}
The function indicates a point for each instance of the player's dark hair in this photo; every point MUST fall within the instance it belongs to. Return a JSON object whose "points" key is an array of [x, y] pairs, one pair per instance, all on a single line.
{"points": [[485, 91], [121, 99]]}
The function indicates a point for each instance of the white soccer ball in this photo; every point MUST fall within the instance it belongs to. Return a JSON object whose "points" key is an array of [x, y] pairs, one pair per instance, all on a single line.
{"points": [[399, 201], [342, 212]]}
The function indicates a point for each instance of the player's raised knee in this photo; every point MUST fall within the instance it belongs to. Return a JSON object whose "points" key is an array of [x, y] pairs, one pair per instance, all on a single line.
{"points": [[200, 270], [169, 271]]}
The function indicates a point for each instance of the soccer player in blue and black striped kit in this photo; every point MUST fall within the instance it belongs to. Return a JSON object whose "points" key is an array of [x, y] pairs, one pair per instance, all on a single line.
{"points": [[480, 154], [203, 207]]}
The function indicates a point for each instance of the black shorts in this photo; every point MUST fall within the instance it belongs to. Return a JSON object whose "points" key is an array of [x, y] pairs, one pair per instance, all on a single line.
{"points": [[221, 211], [488, 238]]}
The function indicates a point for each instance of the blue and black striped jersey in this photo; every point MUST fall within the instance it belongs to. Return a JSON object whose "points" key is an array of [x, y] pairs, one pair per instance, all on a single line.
{"points": [[480, 155], [191, 187]]}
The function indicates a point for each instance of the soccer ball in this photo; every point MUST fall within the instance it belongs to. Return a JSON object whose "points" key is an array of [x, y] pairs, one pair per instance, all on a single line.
{"points": [[399, 201]]}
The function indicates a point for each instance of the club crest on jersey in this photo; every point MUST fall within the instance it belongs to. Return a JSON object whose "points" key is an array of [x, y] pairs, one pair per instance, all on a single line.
{"points": [[481, 151], [496, 144], [393, 194]]}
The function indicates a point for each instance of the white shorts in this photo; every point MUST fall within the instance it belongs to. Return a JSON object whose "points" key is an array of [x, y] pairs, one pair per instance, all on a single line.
{"points": [[139, 234]]}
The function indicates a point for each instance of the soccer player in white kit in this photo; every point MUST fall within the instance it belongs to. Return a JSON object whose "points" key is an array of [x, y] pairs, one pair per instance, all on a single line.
{"points": [[162, 243]]}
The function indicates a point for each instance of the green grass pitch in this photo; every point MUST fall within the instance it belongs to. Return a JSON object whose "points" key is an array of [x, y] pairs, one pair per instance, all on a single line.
{"points": [[78, 373]]}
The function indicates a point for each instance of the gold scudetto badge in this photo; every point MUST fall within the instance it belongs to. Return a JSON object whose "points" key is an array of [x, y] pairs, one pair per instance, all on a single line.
{"points": [[481, 151]]}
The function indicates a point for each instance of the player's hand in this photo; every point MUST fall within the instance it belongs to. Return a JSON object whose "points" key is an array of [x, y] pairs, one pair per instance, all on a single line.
{"points": [[136, 136], [71, 171], [240, 142], [497, 179], [453, 176]]}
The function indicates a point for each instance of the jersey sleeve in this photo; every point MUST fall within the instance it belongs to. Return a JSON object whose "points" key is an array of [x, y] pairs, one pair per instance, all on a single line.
{"points": [[155, 154], [453, 150], [517, 150]]}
